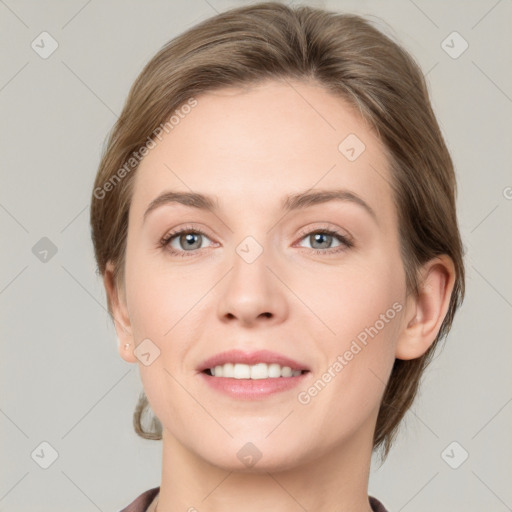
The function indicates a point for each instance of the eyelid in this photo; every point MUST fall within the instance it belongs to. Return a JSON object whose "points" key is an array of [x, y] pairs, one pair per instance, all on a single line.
{"points": [[327, 226], [187, 227]]}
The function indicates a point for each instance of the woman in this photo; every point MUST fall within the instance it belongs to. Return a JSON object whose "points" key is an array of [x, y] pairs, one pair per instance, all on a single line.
{"points": [[274, 220]]}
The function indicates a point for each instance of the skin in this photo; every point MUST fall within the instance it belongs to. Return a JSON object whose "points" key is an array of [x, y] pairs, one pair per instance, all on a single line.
{"points": [[250, 148]]}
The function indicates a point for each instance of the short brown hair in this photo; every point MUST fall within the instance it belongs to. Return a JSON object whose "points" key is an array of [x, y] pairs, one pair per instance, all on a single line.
{"points": [[349, 57]]}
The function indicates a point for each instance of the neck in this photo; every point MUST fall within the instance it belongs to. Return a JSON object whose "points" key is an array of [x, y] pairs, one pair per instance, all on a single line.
{"points": [[337, 480]]}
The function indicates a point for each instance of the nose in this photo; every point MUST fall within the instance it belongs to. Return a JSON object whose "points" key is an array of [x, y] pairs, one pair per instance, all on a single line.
{"points": [[252, 293]]}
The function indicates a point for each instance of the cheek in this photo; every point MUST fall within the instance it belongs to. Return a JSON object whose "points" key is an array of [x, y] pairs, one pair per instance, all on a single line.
{"points": [[161, 310], [350, 298], [165, 304], [157, 298], [362, 308]]}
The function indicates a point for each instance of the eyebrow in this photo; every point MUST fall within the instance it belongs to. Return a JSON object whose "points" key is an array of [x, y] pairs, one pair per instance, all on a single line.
{"points": [[290, 203]]}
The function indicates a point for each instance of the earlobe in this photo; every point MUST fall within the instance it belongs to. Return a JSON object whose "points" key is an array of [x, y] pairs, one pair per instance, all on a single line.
{"points": [[120, 317], [425, 313]]}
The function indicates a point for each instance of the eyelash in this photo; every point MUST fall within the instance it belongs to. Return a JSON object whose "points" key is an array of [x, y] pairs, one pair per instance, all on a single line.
{"points": [[165, 241]]}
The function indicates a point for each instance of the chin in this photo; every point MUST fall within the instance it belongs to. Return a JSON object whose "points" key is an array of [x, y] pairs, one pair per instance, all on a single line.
{"points": [[247, 457]]}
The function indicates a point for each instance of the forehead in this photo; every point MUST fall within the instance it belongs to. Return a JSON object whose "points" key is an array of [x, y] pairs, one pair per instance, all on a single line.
{"points": [[249, 147]]}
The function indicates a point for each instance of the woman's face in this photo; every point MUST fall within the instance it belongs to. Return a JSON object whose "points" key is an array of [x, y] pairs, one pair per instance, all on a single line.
{"points": [[261, 271]]}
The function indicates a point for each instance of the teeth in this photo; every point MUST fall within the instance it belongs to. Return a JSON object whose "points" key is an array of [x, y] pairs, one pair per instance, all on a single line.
{"points": [[256, 371]]}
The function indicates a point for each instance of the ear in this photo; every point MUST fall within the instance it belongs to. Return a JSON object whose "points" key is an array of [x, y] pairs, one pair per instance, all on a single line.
{"points": [[117, 303], [425, 313]]}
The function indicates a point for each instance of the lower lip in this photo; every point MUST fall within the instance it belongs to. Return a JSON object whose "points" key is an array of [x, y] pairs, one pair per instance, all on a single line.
{"points": [[252, 389]]}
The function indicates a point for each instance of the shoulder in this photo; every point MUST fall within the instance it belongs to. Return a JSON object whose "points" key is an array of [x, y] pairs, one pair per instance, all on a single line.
{"points": [[376, 505], [142, 502]]}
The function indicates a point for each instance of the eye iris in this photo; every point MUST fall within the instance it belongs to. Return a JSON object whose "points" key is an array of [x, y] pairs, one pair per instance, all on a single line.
{"points": [[317, 236], [189, 240]]}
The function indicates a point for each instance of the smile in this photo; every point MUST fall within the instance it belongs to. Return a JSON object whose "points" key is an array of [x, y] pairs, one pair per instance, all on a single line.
{"points": [[254, 372]]}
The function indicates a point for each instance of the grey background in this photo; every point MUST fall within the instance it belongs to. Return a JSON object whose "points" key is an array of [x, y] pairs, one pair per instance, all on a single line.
{"points": [[62, 380]]}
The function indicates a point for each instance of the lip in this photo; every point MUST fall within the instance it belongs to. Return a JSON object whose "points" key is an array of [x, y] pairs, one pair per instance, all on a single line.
{"points": [[248, 389], [260, 356]]}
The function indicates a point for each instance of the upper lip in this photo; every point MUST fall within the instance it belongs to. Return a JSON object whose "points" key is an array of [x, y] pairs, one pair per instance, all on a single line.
{"points": [[250, 358]]}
